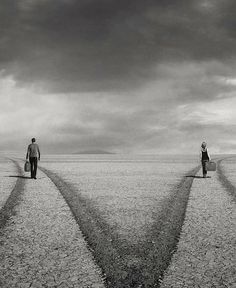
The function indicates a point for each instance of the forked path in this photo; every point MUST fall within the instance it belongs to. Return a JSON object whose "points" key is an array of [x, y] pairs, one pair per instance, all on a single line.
{"points": [[42, 246], [206, 250]]}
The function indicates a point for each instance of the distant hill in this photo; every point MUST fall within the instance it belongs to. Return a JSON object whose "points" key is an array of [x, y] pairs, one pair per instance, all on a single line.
{"points": [[94, 152]]}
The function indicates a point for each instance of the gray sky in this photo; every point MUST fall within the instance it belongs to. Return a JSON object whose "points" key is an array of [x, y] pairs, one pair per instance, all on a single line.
{"points": [[153, 76]]}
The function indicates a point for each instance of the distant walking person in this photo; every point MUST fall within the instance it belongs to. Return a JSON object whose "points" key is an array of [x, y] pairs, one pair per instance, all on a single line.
{"points": [[205, 157], [33, 153]]}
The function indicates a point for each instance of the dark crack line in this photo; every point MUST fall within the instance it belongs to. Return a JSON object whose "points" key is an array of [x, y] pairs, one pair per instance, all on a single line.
{"points": [[95, 231], [110, 253], [230, 188], [14, 198], [166, 232]]}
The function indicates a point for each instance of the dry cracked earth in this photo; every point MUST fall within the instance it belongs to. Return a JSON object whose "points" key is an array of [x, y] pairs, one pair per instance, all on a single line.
{"points": [[51, 236]]}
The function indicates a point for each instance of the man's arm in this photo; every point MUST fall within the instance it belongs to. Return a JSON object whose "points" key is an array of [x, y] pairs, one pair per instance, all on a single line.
{"points": [[27, 154], [38, 153]]}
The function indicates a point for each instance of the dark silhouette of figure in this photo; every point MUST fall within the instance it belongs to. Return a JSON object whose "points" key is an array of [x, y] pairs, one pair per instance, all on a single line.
{"points": [[205, 157], [33, 153]]}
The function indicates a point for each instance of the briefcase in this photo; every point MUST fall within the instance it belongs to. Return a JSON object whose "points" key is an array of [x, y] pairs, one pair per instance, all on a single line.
{"points": [[27, 166], [211, 166]]}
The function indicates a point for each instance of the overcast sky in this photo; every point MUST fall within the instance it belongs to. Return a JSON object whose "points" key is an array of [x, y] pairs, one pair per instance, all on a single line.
{"points": [[153, 76]]}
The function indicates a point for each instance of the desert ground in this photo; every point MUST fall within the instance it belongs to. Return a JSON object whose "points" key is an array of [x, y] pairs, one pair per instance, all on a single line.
{"points": [[117, 221]]}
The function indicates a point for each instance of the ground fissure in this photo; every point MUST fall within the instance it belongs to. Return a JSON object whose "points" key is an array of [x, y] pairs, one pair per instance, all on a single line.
{"points": [[14, 198], [141, 265]]}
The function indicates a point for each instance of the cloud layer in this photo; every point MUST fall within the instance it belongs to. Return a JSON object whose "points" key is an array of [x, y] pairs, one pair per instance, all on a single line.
{"points": [[107, 44], [118, 75]]}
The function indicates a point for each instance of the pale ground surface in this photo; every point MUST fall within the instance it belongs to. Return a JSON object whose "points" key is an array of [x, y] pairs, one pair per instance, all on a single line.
{"points": [[206, 255], [42, 246], [7, 183], [127, 193]]}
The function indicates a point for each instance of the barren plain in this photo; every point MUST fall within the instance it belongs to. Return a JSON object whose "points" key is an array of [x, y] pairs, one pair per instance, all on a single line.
{"points": [[117, 221]]}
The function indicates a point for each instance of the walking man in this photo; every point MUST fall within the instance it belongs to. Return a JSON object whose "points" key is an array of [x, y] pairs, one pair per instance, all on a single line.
{"points": [[33, 153]]}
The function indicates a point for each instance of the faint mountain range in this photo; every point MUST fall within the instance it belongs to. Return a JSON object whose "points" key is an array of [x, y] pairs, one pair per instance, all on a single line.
{"points": [[96, 151]]}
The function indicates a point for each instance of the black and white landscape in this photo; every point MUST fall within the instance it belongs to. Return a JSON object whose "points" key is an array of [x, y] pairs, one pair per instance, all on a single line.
{"points": [[119, 95]]}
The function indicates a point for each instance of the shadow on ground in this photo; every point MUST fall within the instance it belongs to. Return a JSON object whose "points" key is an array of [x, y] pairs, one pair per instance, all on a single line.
{"points": [[199, 177], [19, 176]]}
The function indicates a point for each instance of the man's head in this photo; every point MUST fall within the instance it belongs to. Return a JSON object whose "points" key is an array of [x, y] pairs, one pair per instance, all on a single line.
{"points": [[33, 140], [204, 145]]}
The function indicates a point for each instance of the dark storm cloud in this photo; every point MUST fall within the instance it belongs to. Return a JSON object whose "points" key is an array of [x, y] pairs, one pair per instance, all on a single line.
{"points": [[108, 44], [118, 75]]}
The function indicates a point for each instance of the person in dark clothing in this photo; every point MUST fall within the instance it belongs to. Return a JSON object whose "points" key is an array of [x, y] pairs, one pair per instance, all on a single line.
{"points": [[33, 153], [205, 157]]}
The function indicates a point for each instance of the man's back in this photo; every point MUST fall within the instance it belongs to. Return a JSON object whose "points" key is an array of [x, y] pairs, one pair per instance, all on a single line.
{"points": [[33, 150]]}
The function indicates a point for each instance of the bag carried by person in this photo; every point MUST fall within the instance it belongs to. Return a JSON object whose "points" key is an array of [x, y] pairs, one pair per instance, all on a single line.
{"points": [[211, 166], [27, 166]]}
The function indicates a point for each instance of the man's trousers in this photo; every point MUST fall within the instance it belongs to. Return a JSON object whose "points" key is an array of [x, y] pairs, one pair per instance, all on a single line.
{"points": [[33, 166]]}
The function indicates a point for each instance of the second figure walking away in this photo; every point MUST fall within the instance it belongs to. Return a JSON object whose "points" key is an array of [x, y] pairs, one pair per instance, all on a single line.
{"points": [[33, 153], [205, 157]]}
